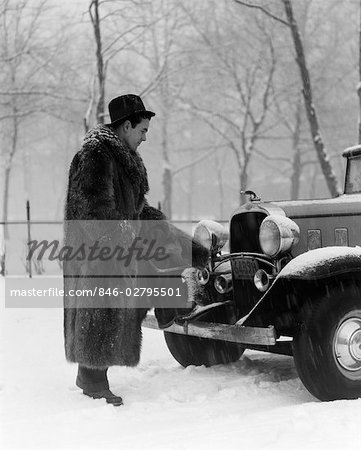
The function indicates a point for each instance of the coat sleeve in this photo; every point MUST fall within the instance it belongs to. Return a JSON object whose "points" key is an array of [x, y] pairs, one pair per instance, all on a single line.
{"points": [[151, 213], [192, 251]]}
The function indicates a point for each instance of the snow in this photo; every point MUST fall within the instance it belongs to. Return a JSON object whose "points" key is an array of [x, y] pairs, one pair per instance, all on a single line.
{"points": [[357, 146], [309, 261], [344, 198], [256, 403]]}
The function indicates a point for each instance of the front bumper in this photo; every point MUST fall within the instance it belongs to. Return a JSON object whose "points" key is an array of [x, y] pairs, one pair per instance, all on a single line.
{"points": [[223, 332]]}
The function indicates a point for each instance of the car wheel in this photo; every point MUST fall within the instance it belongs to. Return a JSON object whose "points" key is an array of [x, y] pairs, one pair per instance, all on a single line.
{"points": [[327, 346], [192, 350]]}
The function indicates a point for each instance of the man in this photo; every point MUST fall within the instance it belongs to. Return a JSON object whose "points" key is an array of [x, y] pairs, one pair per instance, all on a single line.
{"points": [[106, 197]]}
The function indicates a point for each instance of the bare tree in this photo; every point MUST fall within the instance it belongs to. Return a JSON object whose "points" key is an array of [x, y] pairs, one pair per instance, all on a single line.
{"points": [[157, 50], [24, 59], [116, 27], [359, 84], [162, 54], [95, 20], [312, 117], [35, 80], [219, 163], [146, 31], [296, 163], [291, 118], [240, 121], [162, 41]]}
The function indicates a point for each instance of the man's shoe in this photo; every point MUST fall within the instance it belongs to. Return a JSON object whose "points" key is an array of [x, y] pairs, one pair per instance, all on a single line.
{"points": [[111, 398]]}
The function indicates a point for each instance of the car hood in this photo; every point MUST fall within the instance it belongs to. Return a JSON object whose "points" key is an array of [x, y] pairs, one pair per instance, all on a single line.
{"points": [[342, 205]]}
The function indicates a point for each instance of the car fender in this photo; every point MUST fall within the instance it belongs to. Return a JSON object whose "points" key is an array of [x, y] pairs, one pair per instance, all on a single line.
{"points": [[305, 278], [323, 263]]}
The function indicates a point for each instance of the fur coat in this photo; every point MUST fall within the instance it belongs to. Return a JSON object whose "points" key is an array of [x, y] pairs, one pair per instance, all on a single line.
{"points": [[106, 196]]}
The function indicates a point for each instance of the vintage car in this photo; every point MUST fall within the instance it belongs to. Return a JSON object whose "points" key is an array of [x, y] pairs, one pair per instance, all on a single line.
{"points": [[290, 284]]}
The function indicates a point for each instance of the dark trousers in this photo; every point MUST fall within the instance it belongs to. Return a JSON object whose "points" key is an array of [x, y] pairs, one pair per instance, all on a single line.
{"points": [[92, 380]]}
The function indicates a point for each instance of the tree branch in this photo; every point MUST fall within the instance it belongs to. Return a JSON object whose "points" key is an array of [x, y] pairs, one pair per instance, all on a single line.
{"points": [[45, 93], [19, 115], [192, 163], [264, 10]]}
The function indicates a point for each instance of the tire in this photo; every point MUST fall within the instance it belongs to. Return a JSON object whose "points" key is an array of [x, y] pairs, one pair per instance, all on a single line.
{"points": [[327, 346], [192, 350]]}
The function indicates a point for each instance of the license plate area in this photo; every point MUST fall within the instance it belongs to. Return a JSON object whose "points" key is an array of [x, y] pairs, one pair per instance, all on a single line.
{"points": [[244, 268]]}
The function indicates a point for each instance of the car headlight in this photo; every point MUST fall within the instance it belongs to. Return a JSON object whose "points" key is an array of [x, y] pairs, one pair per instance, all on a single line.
{"points": [[211, 235], [278, 234], [223, 283]]}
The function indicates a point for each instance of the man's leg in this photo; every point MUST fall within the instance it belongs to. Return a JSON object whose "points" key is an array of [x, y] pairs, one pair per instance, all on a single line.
{"points": [[94, 383], [92, 380]]}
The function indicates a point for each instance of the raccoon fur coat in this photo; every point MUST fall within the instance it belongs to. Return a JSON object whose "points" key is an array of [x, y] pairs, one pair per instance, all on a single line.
{"points": [[108, 182]]}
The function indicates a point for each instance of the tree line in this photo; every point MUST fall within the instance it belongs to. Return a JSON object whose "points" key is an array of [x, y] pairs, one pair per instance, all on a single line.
{"points": [[249, 95]]}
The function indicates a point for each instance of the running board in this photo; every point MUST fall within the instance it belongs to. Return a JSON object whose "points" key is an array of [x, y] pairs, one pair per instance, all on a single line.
{"points": [[218, 331]]}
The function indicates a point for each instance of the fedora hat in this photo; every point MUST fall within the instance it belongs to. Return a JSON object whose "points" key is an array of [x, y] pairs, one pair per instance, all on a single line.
{"points": [[125, 106]]}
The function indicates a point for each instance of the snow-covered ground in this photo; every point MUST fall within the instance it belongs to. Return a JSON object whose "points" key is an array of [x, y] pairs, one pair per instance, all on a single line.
{"points": [[256, 403]]}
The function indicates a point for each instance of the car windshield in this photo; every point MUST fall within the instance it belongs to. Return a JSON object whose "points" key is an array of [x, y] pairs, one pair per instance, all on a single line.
{"points": [[353, 176]]}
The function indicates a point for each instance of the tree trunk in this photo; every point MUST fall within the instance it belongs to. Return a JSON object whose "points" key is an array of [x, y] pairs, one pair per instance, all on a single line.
{"points": [[8, 164], [313, 182], [94, 15], [167, 172], [6, 199], [247, 150], [219, 172], [167, 186], [359, 85], [296, 163], [2, 252], [327, 170], [296, 174], [190, 190], [243, 183]]}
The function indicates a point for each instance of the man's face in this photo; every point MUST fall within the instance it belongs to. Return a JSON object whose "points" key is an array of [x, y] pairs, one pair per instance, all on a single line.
{"points": [[135, 136]]}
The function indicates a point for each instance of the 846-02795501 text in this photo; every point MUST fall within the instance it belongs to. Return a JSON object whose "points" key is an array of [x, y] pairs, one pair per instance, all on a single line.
{"points": [[139, 292]]}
